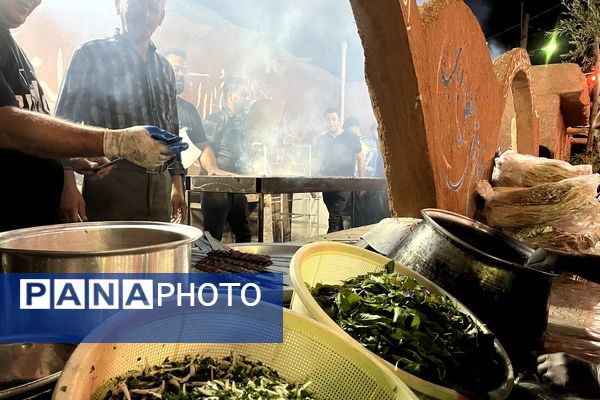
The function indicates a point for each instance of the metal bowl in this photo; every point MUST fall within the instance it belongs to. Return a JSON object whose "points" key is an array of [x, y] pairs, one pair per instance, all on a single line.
{"points": [[30, 366], [99, 247]]}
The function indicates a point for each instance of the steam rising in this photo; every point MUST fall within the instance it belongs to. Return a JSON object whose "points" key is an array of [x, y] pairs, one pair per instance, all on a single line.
{"points": [[496, 49], [288, 50]]}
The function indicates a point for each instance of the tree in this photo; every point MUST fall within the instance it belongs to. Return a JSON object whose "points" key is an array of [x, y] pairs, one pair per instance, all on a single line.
{"points": [[580, 24]]}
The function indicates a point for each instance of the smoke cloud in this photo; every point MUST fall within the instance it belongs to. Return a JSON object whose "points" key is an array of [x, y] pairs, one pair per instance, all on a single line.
{"points": [[496, 49], [290, 51]]}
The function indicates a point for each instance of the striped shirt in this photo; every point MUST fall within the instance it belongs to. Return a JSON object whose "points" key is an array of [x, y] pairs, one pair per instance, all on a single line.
{"points": [[109, 85]]}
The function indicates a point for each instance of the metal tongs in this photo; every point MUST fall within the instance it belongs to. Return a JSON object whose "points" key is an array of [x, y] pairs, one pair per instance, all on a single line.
{"points": [[108, 164], [208, 243]]}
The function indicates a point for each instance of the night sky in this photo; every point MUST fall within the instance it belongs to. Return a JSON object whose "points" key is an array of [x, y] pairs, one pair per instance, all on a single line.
{"points": [[497, 16]]}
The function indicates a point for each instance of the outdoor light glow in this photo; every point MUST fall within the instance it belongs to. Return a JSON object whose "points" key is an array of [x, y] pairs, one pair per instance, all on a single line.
{"points": [[550, 48]]}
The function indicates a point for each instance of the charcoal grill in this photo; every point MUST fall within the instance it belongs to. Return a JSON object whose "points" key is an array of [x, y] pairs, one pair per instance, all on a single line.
{"points": [[262, 185]]}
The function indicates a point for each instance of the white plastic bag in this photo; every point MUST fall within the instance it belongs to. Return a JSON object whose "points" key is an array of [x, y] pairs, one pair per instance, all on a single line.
{"points": [[512, 169]]}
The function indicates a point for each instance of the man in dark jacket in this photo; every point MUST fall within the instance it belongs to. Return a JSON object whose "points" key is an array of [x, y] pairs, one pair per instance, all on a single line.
{"points": [[189, 119], [226, 133]]}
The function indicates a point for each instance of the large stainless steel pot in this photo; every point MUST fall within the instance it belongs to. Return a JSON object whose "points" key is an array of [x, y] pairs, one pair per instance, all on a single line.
{"points": [[99, 247], [95, 247], [484, 269]]}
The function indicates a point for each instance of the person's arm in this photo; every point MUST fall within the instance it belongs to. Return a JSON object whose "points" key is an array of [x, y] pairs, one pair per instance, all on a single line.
{"points": [[196, 130], [197, 135], [214, 126], [209, 162], [73, 104], [40, 135], [72, 204], [47, 137], [44, 136], [178, 204], [360, 160], [359, 155]]}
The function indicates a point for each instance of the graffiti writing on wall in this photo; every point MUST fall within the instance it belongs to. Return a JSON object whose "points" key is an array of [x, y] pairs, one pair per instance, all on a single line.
{"points": [[462, 149]]}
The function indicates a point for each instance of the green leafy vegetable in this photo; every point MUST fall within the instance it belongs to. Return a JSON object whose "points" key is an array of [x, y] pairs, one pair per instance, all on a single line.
{"points": [[418, 331]]}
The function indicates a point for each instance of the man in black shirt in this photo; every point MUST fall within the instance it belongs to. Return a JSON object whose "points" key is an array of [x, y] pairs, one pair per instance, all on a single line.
{"points": [[188, 115], [226, 132], [339, 151], [31, 141]]}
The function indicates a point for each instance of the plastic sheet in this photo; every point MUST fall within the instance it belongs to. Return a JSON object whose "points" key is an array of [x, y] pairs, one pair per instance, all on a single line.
{"points": [[553, 238], [519, 170]]}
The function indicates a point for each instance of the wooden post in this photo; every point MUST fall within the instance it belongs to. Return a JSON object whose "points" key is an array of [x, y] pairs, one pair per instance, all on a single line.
{"points": [[525, 31], [593, 108], [344, 47]]}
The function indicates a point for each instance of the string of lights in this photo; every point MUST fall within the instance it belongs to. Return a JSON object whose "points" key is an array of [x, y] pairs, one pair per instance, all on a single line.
{"points": [[519, 24]]}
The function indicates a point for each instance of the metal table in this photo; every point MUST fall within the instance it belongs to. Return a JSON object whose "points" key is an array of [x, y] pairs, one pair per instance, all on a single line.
{"points": [[262, 185]]}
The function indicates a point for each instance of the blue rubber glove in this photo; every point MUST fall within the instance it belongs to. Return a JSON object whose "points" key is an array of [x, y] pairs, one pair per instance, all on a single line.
{"points": [[173, 142], [178, 147]]}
